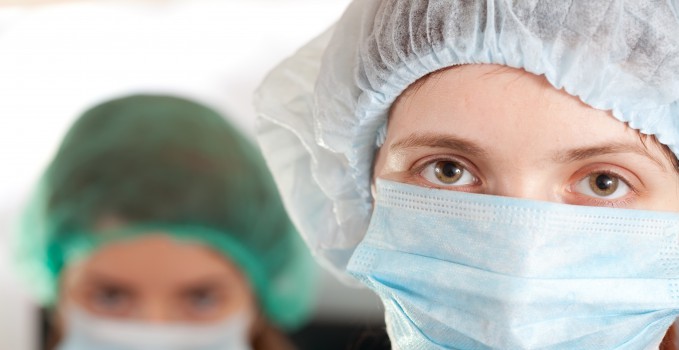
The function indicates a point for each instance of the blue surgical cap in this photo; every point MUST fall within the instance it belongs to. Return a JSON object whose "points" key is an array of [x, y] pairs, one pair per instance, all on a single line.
{"points": [[323, 111]]}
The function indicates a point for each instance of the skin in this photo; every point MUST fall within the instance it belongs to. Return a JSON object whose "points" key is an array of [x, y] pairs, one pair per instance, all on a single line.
{"points": [[180, 283], [503, 131], [461, 116]]}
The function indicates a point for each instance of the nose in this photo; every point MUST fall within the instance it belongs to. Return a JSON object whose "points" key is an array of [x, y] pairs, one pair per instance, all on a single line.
{"points": [[155, 311], [527, 186]]}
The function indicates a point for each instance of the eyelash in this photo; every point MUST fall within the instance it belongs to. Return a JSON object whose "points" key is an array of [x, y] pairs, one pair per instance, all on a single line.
{"points": [[619, 203], [609, 203], [416, 170], [420, 165]]}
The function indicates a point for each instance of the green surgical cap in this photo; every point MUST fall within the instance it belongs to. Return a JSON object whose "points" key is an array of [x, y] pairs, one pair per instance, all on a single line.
{"points": [[165, 164]]}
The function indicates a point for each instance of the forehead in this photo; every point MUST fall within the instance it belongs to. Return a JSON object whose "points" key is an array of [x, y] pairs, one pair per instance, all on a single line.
{"points": [[494, 105], [156, 261]]}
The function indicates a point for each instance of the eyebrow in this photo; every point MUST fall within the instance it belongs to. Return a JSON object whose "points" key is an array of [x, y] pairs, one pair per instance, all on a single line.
{"points": [[101, 280], [611, 148], [439, 141], [208, 282], [472, 149]]}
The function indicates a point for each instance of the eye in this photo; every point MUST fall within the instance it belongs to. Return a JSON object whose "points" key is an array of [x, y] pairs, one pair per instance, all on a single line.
{"points": [[201, 301], [603, 185], [111, 299], [448, 173]]}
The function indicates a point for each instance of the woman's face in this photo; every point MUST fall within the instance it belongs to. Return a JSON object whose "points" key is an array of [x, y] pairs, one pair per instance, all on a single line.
{"points": [[496, 130], [155, 278]]}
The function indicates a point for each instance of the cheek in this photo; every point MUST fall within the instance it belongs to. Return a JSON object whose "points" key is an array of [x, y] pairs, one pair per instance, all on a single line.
{"points": [[667, 201], [662, 195]]}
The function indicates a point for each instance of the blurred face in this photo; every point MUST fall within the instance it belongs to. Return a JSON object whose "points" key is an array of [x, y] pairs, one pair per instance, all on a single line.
{"points": [[495, 130], [157, 279]]}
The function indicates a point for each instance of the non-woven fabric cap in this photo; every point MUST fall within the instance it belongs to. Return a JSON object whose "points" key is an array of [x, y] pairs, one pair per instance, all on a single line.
{"points": [[323, 111]]}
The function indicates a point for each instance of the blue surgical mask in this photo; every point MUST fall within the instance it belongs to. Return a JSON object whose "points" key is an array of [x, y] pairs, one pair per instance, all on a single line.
{"points": [[467, 271], [89, 332]]}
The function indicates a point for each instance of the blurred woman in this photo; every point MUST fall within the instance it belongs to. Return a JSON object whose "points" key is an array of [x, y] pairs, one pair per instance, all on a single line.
{"points": [[157, 226]]}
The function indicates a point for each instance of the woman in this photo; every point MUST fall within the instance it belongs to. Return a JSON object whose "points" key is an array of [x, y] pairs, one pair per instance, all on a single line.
{"points": [[157, 226], [502, 174]]}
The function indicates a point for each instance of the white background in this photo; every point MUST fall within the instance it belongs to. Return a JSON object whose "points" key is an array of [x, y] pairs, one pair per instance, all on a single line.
{"points": [[56, 60]]}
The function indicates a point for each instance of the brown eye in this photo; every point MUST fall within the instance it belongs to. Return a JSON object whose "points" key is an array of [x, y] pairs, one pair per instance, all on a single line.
{"points": [[603, 185], [448, 172], [111, 300], [203, 302]]}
